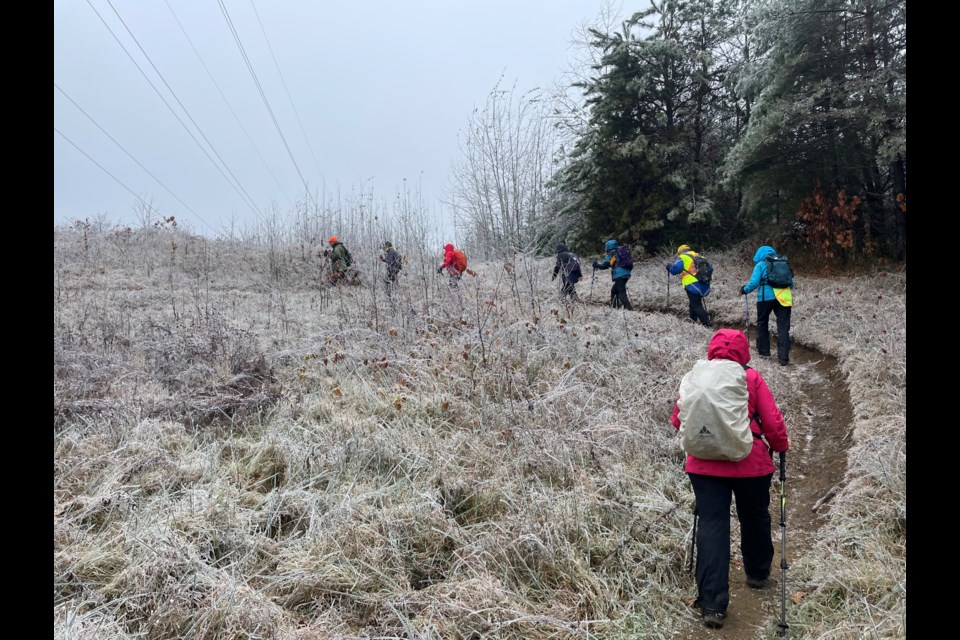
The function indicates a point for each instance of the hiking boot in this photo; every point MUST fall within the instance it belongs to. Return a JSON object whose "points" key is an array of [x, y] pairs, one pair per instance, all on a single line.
{"points": [[713, 619], [763, 355], [783, 362], [759, 583]]}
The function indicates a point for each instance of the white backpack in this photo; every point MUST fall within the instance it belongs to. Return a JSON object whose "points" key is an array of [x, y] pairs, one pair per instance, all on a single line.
{"points": [[714, 418]]}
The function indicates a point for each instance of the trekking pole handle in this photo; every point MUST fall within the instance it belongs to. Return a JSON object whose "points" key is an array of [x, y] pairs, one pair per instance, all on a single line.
{"points": [[783, 466]]}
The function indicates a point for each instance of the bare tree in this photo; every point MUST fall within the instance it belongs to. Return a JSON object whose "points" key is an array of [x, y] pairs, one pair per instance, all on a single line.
{"points": [[501, 181]]}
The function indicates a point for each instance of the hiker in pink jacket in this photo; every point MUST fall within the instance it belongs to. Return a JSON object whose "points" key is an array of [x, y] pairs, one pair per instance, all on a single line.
{"points": [[716, 481]]}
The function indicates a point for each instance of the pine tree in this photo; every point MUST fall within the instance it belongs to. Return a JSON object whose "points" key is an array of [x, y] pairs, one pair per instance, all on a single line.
{"points": [[827, 85]]}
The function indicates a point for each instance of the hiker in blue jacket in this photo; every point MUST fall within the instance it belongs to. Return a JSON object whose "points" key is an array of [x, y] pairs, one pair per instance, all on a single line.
{"points": [[779, 301], [684, 267], [620, 275]]}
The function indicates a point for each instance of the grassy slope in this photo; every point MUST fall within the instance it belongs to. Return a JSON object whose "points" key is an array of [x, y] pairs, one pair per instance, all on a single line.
{"points": [[239, 456]]}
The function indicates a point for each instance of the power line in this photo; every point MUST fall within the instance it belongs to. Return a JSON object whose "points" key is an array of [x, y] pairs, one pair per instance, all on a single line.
{"points": [[246, 198], [128, 154], [289, 97], [263, 96], [227, 102], [169, 88], [118, 181]]}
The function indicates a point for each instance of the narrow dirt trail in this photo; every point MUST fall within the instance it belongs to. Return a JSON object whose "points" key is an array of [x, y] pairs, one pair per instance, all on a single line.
{"points": [[818, 415], [813, 397]]}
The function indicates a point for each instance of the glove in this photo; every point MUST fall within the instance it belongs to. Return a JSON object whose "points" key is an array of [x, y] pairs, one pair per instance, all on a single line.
{"points": [[667, 267], [742, 292], [597, 265], [553, 277], [439, 269]]}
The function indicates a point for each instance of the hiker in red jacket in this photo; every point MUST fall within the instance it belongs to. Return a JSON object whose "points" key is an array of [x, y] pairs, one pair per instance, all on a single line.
{"points": [[715, 481], [454, 261]]}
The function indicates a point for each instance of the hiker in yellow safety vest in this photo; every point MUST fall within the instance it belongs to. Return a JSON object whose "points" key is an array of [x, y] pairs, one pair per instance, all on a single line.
{"points": [[696, 290], [770, 299]]}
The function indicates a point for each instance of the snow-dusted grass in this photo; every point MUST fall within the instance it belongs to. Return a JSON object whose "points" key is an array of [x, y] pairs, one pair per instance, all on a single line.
{"points": [[239, 454]]}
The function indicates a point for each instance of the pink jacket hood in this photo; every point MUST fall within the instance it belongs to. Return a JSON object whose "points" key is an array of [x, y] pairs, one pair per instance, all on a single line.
{"points": [[729, 344]]}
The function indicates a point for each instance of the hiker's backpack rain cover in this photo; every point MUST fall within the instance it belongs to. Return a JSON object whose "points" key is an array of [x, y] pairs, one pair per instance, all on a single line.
{"points": [[459, 260], [714, 417]]}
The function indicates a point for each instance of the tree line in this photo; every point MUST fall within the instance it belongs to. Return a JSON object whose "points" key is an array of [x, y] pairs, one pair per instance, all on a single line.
{"points": [[706, 121]]}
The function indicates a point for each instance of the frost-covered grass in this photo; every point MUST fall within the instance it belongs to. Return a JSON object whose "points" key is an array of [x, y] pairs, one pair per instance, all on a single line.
{"points": [[239, 454]]}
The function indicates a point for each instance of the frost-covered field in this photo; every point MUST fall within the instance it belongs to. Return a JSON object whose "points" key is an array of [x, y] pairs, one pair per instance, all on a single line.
{"points": [[238, 454]]}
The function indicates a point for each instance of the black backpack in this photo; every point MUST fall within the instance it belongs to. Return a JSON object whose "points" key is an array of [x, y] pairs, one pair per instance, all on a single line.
{"points": [[348, 258], [624, 259], [779, 273], [704, 274]]}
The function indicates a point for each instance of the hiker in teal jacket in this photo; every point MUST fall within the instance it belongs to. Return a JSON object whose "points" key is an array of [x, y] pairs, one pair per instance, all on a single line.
{"points": [[620, 275], [770, 299]]}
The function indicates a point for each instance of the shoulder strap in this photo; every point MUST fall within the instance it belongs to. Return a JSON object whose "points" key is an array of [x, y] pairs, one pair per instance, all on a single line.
{"points": [[756, 414]]}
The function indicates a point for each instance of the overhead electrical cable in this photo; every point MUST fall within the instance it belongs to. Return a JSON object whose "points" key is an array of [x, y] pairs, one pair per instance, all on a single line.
{"points": [[263, 96], [118, 181], [199, 130], [160, 182], [243, 196], [289, 97], [229, 106]]}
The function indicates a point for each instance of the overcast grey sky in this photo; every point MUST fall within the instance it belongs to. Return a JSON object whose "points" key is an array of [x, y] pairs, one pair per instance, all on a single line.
{"points": [[361, 95]]}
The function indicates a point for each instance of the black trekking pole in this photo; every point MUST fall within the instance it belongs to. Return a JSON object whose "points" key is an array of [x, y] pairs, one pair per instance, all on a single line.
{"points": [[693, 537], [668, 288], [783, 546], [593, 279], [746, 311]]}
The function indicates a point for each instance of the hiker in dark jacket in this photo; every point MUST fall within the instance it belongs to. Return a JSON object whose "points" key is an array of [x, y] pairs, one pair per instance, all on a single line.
{"points": [[716, 481], [618, 292], [779, 301], [696, 290], [339, 260], [393, 261], [568, 268]]}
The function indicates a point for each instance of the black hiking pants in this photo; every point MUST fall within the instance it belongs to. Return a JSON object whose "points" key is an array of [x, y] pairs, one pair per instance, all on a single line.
{"points": [[567, 288], [713, 496], [698, 310], [618, 294], [782, 313]]}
